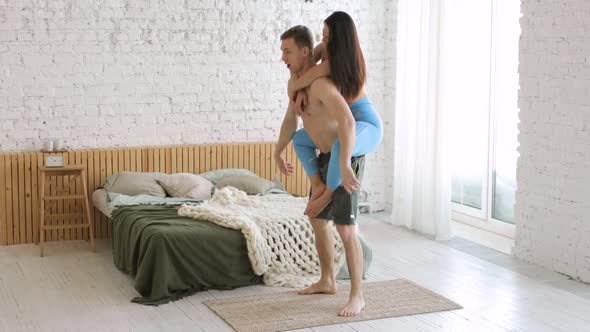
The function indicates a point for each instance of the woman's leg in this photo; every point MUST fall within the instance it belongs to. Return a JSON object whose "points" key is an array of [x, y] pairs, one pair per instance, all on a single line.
{"points": [[367, 139], [307, 153]]}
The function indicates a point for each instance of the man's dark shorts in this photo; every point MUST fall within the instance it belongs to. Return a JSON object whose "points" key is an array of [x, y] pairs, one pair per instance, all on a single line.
{"points": [[343, 208]]}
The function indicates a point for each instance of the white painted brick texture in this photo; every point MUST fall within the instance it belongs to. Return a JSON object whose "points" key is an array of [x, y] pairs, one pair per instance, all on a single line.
{"points": [[134, 73], [553, 198]]}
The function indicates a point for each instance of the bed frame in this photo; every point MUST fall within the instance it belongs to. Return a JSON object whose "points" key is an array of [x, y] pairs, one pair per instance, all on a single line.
{"points": [[19, 180]]}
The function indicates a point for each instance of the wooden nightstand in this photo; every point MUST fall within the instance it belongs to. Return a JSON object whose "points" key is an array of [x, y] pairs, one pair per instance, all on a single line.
{"points": [[75, 171]]}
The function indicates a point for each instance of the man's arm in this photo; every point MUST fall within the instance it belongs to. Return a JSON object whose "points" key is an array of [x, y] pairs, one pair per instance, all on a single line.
{"points": [[288, 129]]}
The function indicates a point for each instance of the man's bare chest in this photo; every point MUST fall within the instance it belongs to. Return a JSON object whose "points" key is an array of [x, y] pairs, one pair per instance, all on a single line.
{"points": [[315, 108]]}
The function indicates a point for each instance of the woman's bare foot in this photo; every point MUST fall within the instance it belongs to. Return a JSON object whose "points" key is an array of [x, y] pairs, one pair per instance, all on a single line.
{"points": [[317, 189], [314, 207], [319, 287], [354, 307]]}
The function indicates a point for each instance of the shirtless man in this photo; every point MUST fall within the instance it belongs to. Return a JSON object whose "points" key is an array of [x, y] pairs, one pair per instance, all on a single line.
{"points": [[326, 118]]}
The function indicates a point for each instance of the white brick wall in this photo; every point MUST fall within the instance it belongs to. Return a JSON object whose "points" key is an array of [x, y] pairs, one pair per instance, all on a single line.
{"points": [[132, 73], [553, 197]]}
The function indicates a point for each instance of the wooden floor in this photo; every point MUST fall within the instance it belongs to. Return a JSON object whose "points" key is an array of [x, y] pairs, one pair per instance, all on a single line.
{"points": [[72, 289]]}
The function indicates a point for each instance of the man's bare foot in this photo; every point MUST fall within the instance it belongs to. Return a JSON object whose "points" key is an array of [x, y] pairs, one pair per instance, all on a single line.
{"points": [[354, 307], [319, 287], [314, 207]]}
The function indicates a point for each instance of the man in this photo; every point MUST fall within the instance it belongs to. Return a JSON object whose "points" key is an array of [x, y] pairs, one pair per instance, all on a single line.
{"points": [[326, 119]]}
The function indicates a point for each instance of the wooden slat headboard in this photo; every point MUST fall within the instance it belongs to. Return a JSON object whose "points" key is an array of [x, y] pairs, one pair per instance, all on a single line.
{"points": [[19, 180]]}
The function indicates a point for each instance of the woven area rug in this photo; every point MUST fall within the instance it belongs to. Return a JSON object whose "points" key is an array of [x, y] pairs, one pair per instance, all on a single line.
{"points": [[289, 310]]}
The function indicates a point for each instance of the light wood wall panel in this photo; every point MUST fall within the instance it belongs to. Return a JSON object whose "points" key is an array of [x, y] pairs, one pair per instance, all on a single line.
{"points": [[19, 180]]}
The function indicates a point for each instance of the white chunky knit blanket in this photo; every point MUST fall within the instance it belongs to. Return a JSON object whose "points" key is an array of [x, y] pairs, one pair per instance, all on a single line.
{"points": [[279, 237]]}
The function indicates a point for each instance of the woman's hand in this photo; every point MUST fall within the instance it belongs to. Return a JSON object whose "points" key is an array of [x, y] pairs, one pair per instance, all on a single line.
{"points": [[301, 101], [349, 180], [284, 166]]}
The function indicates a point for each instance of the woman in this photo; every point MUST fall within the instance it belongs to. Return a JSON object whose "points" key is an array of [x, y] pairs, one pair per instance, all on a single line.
{"points": [[343, 61]]}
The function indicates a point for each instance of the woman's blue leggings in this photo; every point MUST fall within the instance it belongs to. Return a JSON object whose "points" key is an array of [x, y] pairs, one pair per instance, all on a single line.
{"points": [[369, 132]]}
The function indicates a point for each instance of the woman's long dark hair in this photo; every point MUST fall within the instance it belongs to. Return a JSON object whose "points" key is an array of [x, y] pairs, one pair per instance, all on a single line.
{"points": [[347, 64]]}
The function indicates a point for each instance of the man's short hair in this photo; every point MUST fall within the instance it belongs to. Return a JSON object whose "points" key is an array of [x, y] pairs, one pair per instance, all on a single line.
{"points": [[302, 36]]}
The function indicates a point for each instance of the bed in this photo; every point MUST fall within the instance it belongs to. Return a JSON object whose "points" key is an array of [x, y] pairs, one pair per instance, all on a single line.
{"points": [[170, 256]]}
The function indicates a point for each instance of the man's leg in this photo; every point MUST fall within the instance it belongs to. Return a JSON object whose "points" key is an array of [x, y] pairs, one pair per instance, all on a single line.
{"points": [[324, 243], [354, 260], [345, 207]]}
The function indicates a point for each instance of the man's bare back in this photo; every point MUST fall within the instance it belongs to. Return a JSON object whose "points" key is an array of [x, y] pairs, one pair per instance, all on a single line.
{"points": [[317, 121]]}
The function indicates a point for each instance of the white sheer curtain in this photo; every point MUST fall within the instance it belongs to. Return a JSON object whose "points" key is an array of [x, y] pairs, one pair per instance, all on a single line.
{"points": [[421, 195]]}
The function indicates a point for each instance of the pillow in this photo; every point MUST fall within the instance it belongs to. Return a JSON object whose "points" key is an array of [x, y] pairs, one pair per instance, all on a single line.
{"points": [[133, 183], [251, 184], [367, 259], [216, 175], [115, 200], [186, 185]]}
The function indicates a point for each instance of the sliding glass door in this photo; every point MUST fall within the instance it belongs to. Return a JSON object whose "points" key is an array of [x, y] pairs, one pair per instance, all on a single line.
{"points": [[479, 86], [505, 109]]}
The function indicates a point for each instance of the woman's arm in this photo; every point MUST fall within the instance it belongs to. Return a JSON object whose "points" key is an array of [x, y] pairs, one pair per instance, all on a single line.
{"points": [[321, 70], [291, 91], [319, 53]]}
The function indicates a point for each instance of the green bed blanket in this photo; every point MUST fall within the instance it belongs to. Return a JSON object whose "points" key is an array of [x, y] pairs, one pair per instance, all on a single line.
{"points": [[171, 256]]}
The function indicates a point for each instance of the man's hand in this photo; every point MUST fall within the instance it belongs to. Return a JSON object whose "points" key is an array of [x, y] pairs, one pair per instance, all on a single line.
{"points": [[284, 166], [349, 181]]}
